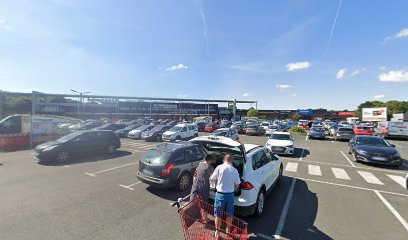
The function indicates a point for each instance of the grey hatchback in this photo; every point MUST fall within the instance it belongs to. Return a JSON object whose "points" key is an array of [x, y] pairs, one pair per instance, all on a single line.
{"points": [[170, 165]]}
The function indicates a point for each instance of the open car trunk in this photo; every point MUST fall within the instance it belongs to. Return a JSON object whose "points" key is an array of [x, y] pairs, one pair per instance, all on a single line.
{"points": [[218, 150]]}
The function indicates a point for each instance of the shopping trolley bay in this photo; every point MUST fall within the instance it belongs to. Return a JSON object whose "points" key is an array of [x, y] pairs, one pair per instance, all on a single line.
{"points": [[324, 194]]}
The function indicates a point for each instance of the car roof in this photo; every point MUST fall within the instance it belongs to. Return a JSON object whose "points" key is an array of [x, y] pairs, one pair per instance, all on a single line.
{"points": [[223, 140], [223, 129], [285, 133], [170, 147], [249, 147]]}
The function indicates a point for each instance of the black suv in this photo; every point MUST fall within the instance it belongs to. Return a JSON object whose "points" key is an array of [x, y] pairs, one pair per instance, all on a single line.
{"points": [[77, 144], [170, 165], [155, 134]]}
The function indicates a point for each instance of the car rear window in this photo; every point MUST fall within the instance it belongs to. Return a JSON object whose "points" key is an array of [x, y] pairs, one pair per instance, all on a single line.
{"points": [[345, 130], [156, 157]]}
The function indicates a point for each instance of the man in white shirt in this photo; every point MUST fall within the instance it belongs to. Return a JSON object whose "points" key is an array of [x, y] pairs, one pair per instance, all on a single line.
{"points": [[227, 180]]}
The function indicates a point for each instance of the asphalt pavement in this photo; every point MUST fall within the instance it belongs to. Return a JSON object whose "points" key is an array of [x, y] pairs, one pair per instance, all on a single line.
{"points": [[324, 195]]}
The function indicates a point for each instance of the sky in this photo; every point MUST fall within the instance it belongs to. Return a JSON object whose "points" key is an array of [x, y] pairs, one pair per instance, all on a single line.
{"points": [[286, 54]]}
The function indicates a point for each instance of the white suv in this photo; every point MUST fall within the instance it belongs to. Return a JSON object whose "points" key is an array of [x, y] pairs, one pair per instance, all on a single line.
{"points": [[184, 131], [258, 168], [281, 143]]}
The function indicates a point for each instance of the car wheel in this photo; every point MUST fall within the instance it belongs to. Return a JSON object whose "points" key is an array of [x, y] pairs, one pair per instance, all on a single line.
{"points": [[280, 176], [195, 135], [62, 156], [353, 154], [184, 182], [111, 149], [158, 138], [178, 138], [260, 203]]}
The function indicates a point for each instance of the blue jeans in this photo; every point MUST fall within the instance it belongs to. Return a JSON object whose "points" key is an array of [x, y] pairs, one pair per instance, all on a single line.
{"points": [[223, 202]]}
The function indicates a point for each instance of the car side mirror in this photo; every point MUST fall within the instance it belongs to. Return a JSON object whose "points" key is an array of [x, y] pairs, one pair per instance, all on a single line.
{"points": [[393, 145]]}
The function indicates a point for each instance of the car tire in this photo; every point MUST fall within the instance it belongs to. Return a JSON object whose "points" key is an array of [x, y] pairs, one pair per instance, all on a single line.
{"points": [[280, 176], [62, 156], [111, 149], [184, 182], [354, 158], [178, 138], [195, 135], [260, 203]]}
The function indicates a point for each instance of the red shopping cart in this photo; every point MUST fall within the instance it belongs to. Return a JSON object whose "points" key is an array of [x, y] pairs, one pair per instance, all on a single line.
{"points": [[198, 222]]}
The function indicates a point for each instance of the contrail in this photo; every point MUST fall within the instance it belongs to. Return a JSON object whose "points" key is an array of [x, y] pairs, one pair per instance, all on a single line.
{"points": [[204, 19], [332, 29]]}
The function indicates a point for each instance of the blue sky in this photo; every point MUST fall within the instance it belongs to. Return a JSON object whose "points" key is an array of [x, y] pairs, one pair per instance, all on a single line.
{"points": [[277, 52]]}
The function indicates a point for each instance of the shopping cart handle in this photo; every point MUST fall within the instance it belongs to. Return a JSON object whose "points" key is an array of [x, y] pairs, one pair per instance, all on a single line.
{"points": [[180, 200]]}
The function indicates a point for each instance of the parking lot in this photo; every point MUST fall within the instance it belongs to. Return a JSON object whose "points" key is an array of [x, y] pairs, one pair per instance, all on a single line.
{"points": [[324, 195]]}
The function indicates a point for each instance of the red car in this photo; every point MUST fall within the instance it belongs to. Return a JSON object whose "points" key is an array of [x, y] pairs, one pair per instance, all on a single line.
{"points": [[210, 128], [362, 130]]}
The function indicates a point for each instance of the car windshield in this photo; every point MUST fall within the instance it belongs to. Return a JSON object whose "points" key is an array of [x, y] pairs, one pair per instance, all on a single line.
{"points": [[280, 137], [345, 130], [317, 129], [252, 127], [175, 129], [157, 128], [220, 133], [130, 127], [372, 141], [142, 128], [273, 127], [69, 137], [156, 157], [264, 124]]}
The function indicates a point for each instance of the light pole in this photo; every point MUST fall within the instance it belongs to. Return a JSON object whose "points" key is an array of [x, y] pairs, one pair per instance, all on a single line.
{"points": [[80, 100]]}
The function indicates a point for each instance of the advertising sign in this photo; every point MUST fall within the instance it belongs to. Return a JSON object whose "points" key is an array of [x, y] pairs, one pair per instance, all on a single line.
{"points": [[304, 111], [349, 114], [374, 114]]}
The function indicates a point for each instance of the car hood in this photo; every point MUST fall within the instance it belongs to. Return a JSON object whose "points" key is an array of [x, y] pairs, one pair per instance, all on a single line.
{"points": [[169, 133], [135, 131], [47, 144], [280, 143], [377, 150]]}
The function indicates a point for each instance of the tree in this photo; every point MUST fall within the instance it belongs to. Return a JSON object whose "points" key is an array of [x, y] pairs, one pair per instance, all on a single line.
{"points": [[296, 117], [252, 112]]}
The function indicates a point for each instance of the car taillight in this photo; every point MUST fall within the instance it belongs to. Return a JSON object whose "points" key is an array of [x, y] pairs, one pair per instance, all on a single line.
{"points": [[195, 173], [167, 169], [246, 186]]}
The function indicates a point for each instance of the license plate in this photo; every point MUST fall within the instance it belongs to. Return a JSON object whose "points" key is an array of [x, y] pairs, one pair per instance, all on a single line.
{"points": [[379, 158], [148, 172]]}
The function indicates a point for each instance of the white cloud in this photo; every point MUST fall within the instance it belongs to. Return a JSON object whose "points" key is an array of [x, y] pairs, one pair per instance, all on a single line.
{"points": [[358, 71], [245, 94], [176, 67], [283, 86], [340, 74], [401, 34], [394, 76], [297, 66], [294, 95], [379, 96], [4, 25]]}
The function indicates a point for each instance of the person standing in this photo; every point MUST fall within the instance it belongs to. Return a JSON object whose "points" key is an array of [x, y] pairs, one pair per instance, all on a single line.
{"points": [[226, 178], [201, 180]]}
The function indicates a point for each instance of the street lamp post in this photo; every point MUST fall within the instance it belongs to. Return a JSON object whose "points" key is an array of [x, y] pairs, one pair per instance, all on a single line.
{"points": [[80, 100]]}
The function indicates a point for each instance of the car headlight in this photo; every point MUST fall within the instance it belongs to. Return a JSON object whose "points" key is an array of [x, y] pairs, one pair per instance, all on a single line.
{"points": [[361, 151], [396, 155], [49, 148]]}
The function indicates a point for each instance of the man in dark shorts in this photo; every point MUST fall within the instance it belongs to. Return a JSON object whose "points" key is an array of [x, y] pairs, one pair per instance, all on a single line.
{"points": [[201, 181]]}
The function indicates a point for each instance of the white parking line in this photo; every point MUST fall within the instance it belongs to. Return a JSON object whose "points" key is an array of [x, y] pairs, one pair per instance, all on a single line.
{"points": [[285, 210], [392, 209], [129, 186], [398, 179], [291, 167], [340, 173], [301, 154], [370, 178], [315, 170], [351, 186], [109, 169], [348, 159]]}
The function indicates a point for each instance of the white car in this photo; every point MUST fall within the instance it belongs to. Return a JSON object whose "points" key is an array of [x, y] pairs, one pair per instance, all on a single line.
{"points": [[258, 167], [136, 133], [226, 132], [281, 143], [265, 125], [271, 129], [184, 131]]}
